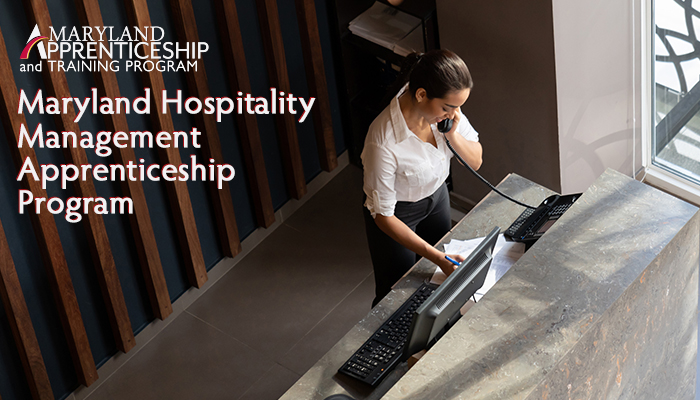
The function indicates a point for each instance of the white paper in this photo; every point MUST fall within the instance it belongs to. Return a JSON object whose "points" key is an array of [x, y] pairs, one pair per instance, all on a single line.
{"points": [[505, 255], [385, 26], [413, 42]]}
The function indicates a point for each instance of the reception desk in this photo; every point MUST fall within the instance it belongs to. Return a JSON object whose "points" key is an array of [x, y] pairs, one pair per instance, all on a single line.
{"points": [[602, 306]]}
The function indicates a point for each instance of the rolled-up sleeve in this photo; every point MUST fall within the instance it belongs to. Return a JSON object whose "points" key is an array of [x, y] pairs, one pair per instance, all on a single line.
{"points": [[379, 166], [466, 129]]}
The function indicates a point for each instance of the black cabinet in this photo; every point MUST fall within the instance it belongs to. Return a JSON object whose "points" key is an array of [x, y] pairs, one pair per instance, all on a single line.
{"points": [[368, 69]]}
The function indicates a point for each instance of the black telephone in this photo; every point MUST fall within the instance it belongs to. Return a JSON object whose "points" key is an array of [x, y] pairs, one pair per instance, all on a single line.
{"points": [[532, 224]]}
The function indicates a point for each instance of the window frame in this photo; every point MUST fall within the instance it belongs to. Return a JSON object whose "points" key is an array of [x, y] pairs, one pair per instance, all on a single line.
{"points": [[656, 175]]}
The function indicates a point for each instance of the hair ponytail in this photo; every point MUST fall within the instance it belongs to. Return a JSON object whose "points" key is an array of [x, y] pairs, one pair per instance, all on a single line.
{"points": [[438, 72]]}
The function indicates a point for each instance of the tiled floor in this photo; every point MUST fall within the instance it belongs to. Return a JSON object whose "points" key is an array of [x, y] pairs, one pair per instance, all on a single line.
{"points": [[271, 317]]}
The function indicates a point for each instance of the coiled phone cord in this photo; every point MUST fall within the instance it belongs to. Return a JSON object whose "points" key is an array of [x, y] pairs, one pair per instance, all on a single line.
{"points": [[482, 178]]}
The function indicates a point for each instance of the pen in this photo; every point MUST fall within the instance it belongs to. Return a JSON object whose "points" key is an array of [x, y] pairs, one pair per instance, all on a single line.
{"points": [[452, 260]]}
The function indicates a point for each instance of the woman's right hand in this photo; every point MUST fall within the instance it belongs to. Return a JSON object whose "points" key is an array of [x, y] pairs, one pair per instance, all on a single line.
{"points": [[400, 232], [446, 265]]}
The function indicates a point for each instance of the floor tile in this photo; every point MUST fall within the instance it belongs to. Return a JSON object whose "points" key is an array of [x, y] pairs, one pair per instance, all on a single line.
{"points": [[188, 360], [337, 208], [331, 329], [281, 290], [292, 280], [272, 385]]}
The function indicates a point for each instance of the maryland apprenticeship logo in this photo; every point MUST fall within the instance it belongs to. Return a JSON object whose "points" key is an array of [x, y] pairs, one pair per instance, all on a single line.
{"points": [[104, 48], [34, 39]]}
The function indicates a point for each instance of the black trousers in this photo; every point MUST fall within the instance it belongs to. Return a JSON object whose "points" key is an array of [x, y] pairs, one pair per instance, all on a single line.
{"points": [[429, 218]]}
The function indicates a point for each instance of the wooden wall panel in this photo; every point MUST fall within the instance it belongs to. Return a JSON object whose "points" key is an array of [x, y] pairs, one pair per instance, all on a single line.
{"points": [[46, 232], [234, 53], [316, 78], [186, 26], [277, 70], [137, 11], [141, 226], [21, 325], [57, 85]]}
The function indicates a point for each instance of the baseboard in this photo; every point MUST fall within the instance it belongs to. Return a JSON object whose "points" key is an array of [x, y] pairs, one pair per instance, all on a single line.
{"points": [[461, 203]]}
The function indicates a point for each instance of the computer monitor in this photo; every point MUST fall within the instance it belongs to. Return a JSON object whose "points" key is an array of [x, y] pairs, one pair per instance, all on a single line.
{"points": [[442, 309]]}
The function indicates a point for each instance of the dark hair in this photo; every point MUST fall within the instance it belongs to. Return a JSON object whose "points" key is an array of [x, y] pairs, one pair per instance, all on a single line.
{"points": [[438, 72]]}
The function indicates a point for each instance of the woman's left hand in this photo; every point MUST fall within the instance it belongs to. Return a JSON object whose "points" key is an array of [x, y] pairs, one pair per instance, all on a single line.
{"points": [[469, 150], [455, 122]]}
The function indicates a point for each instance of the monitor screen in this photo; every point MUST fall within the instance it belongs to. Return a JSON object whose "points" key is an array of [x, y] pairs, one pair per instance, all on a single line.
{"points": [[441, 310]]}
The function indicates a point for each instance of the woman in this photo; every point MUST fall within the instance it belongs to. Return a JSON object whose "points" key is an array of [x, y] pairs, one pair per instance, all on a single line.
{"points": [[406, 162]]}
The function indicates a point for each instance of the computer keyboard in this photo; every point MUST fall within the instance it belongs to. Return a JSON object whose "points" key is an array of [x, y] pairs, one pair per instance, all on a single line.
{"points": [[382, 351]]}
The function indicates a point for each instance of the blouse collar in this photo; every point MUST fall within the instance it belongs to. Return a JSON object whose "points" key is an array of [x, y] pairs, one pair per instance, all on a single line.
{"points": [[398, 122]]}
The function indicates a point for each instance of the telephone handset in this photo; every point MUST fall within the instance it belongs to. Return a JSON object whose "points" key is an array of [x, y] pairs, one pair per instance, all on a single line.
{"points": [[445, 125], [532, 224]]}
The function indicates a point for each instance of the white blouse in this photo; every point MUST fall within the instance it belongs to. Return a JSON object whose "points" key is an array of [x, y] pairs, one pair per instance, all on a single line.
{"points": [[399, 166]]}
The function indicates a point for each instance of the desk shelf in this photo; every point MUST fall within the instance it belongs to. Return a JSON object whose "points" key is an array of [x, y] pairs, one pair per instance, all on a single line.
{"points": [[368, 47]]}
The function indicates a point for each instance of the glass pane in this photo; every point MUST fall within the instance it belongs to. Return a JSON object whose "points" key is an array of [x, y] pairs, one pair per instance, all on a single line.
{"points": [[676, 137]]}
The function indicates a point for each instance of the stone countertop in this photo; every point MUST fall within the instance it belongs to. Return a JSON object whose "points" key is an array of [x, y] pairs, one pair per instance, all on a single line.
{"points": [[515, 335], [322, 379]]}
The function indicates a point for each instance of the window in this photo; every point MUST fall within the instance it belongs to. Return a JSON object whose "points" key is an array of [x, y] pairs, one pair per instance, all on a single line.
{"points": [[674, 148]]}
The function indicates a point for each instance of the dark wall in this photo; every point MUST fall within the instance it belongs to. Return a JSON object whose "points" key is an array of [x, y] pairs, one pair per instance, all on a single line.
{"points": [[509, 49], [25, 251]]}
